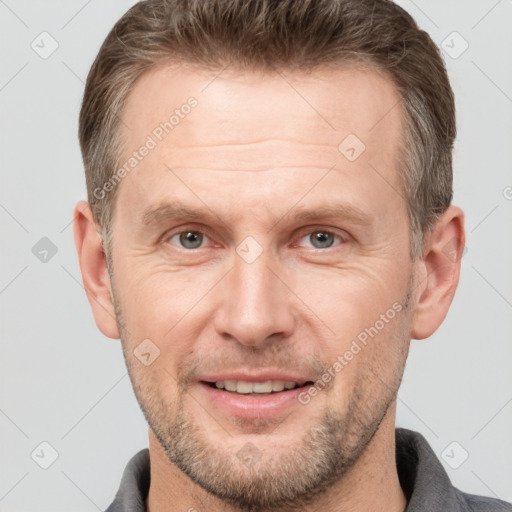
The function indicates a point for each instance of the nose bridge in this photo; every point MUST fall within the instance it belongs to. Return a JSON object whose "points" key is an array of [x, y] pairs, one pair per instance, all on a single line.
{"points": [[254, 305]]}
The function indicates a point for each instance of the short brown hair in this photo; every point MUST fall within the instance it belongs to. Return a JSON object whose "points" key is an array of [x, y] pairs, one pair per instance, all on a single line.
{"points": [[284, 34]]}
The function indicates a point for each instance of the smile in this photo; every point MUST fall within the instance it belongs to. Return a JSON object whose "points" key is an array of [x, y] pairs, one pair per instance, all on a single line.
{"points": [[264, 388], [249, 399]]}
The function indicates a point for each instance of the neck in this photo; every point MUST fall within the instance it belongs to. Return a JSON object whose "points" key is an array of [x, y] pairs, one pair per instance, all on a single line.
{"points": [[371, 484]]}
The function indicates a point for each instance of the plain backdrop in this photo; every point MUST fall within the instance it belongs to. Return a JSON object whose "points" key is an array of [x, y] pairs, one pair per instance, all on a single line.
{"points": [[63, 383]]}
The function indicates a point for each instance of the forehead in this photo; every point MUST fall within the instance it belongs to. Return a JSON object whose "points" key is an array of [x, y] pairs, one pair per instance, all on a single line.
{"points": [[253, 132], [277, 108]]}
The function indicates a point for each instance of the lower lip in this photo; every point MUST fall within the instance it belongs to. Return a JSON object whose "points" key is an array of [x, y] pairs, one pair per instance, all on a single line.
{"points": [[248, 406]]}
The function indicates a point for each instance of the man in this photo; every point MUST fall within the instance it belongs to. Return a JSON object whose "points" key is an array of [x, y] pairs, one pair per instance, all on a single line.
{"points": [[269, 224]]}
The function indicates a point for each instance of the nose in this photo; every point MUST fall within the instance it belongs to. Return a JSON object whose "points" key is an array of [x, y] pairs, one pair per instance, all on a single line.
{"points": [[255, 306]]}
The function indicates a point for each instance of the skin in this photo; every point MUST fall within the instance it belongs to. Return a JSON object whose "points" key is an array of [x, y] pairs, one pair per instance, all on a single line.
{"points": [[259, 148]]}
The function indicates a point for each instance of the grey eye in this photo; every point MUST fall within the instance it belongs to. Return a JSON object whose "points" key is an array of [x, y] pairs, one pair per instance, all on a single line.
{"points": [[321, 239], [191, 239]]}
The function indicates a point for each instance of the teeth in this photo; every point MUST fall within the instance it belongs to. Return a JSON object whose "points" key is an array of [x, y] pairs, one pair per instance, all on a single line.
{"points": [[277, 385], [245, 387], [262, 387], [230, 385]]}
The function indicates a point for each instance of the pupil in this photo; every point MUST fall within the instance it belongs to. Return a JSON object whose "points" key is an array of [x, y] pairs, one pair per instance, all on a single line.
{"points": [[191, 239], [321, 239]]}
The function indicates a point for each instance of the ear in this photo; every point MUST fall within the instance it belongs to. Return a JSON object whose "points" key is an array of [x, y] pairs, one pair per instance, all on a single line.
{"points": [[93, 265], [438, 273]]}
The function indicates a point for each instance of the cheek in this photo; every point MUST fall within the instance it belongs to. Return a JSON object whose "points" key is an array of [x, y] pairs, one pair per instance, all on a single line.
{"points": [[362, 312], [371, 363], [155, 300], [348, 300], [170, 309]]}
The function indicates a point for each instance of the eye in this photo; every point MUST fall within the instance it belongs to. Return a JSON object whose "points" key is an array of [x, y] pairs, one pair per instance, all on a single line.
{"points": [[320, 239], [188, 239]]}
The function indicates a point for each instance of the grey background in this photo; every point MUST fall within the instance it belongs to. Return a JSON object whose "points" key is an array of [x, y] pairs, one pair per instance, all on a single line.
{"points": [[64, 383]]}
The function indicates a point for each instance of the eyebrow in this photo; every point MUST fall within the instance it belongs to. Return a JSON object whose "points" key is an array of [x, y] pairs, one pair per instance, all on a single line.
{"points": [[333, 211], [153, 216], [176, 210]]}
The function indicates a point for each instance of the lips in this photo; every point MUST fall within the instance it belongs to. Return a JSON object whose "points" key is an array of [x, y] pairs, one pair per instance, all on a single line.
{"points": [[263, 382], [262, 395]]}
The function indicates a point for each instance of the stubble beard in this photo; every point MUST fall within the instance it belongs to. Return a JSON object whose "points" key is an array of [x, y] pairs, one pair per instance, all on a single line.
{"points": [[285, 481]]}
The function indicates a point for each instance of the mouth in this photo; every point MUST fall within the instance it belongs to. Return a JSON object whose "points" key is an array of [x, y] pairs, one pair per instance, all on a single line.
{"points": [[261, 388], [252, 399]]}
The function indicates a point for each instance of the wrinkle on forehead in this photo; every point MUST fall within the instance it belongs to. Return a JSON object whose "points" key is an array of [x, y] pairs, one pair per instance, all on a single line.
{"points": [[261, 155], [256, 123], [243, 109]]}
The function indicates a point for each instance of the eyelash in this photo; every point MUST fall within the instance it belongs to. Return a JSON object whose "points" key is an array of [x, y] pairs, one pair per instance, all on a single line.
{"points": [[341, 239]]}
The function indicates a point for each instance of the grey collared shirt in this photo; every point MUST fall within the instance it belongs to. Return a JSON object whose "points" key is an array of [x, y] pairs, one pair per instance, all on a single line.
{"points": [[422, 477]]}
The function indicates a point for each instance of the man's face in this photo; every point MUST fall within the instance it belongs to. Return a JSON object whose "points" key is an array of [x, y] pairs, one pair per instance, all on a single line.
{"points": [[295, 253]]}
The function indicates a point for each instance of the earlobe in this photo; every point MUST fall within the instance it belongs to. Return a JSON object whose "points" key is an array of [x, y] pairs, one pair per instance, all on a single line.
{"points": [[438, 273], [93, 266]]}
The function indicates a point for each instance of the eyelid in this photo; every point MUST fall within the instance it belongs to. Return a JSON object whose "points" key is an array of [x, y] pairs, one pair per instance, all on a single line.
{"points": [[166, 237], [340, 233], [301, 233]]}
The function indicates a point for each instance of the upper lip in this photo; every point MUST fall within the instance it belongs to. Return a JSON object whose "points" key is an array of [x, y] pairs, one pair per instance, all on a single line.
{"points": [[255, 377]]}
